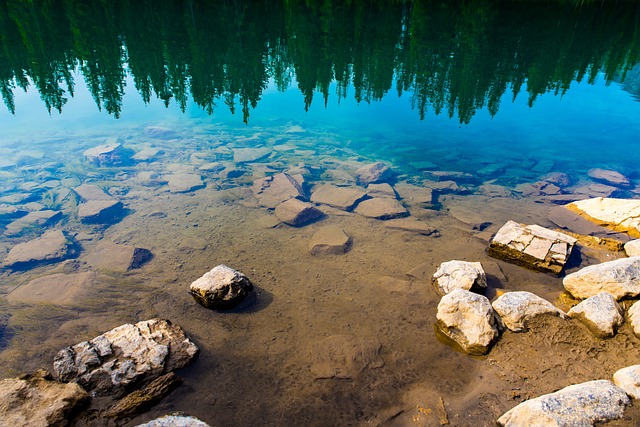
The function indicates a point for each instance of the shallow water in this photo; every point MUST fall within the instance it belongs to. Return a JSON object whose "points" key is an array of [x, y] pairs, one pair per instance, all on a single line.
{"points": [[256, 365]]}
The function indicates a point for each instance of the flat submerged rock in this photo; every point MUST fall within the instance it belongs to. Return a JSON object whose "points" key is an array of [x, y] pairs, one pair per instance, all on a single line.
{"points": [[53, 246]]}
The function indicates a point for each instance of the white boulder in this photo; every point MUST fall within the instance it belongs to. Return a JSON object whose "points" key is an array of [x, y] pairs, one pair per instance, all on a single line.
{"points": [[619, 214], [517, 308], [620, 277], [632, 248], [459, 275], [628, 379], [600, 313]]}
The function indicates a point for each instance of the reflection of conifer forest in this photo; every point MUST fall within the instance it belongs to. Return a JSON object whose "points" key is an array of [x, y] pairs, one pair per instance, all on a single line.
{"points": [[450, 56]]}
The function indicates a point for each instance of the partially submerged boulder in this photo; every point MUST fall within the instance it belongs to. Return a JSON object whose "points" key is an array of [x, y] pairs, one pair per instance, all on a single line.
{"points": [[125, 357], [296, 213], [221, 288], [601, 314], [51, 247], [273, 190], [468, 319], [618, 277], [373, 173], [381, 208], [632, 248], [39, 401], [618, 214], [344, 198], [532, 246], [579, 405], [459, 275], [516, 309], [628, 379]]}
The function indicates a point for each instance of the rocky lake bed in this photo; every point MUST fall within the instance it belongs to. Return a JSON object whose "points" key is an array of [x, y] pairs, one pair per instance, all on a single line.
{"points": [[304, 281]]}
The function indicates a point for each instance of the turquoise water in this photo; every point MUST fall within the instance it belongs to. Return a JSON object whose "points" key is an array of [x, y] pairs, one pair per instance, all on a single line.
{"points": [[470, 100]]}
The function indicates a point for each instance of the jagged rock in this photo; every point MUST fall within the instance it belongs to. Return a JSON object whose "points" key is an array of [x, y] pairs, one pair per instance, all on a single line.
{"points": [[115, 257], [373, 173], [344, 356], [273, 190], [59, 288], [110, 154], [51, 247], [632, 248], [248, 155], [160, 132], [628, 379], [410, 224], [143, 399], [41, 218], [125, 357], [329, 240], [381, 190], [344, 198], [459, 275], [579, 405], [39, 401], [468, 319], [297, 213], [221, 288], [381, 208], [100, 211], [610, 177], [516, 309], [618, 214], [175, 421], [618, 277], [600, 313], [184, 182], [532, 246]]}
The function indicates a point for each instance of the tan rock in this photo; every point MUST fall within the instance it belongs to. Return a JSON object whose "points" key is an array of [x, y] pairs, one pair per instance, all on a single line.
{"points": [[610, 177], [100, 211], [516, 309], [221, 288], [88, 192], [409, 224], [53, 246], [329, 240], [632, 248], [59, 289], [373, 173], [115, 257], [459, 275], [344, 198], [184, 182], [381, 190], [296, 213], [628, 379], [600, 313], [381, 208], [273, 190]]}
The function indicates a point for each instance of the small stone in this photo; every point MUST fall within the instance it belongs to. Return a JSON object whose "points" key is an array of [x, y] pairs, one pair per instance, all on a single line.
{"points": [[468, 319], [381, 208], [344, 198], [618, 277], [329, 240], [610, 177], [381, 190], [221, 288], [175, 421], [296, 213], [373, 173], [51, 247], [459, 275], [120, 258], [516, 309], [628, 379], [579, 405], [600, 313], [184, 182], [632, 248]]}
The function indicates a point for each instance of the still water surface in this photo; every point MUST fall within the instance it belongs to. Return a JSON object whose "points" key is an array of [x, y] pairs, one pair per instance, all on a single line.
{"points": [[476, 101]]}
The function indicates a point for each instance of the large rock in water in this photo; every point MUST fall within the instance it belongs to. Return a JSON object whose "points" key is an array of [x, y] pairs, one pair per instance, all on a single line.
{"points": [[381, 208], [51, 247], [248, 155], [329, 240], [115, 257], [38, 401], [459, 275], [184, 182], [32, 220], [273, 190], [579, 405], [411, 225], [296, 213], [373, 173], [468, 319], [620, 277], [618, 214], [610, 177], [221, 288], [344, 198], [516, 309], [98, 207], [532, 246], [628, 379], [123, 358], [600, 313]]}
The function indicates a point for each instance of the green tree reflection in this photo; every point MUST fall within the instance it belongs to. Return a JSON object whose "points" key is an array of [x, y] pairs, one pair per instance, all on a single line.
{"points": [[450, 56]]}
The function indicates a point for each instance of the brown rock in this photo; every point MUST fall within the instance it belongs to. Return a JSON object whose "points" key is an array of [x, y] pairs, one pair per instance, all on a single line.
{"points": [[410, 224], [296, 213], [344, 198], [610, 177], [598, 190], [184, 182], [53, 246], [381, 190], [373, 173], [32, 219], [115, 257], [59, 289], [273, 190], [143, 399], [329, 240], [100, 211], [381, 208]]}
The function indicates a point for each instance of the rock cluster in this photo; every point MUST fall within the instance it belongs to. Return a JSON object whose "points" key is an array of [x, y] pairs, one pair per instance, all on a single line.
{"points": [[221, 288]]}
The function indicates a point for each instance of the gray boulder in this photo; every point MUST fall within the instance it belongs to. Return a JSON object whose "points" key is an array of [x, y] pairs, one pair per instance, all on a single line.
{"points": [[51, 247], [468, 319], [329, 240], [628, 379], [579, 405], [221, 288], [516, 309], [373, 173], [296, 213], [619, 277], [459, 275], [600, 313], [124, 357]]}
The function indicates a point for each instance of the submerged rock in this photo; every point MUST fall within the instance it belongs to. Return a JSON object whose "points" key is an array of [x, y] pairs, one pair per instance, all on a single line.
{"points": [[296, 213], [52, 247], [600, 313], [468, 319], [532, 246], [273, 190], [381, 190], [116, 257], [580, 405], [89, 192], [373, 173], [329, 240], [381, 208], [160, 132], [597, 190], [459, 275], [344, 198], [221, 288], [618, 214], [610, 177], [248, 155], [141, 400], [516, 309], [409, 224], [628, 379], [184, 182], [124, 357], [618, 277], [147, 154], [58, 288], [39, 401], [344, 356], [100, 211], [41, 218], [632, 248], [110, 154], [175, 421]]}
